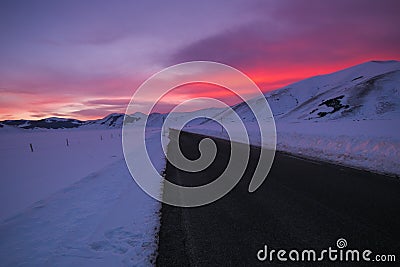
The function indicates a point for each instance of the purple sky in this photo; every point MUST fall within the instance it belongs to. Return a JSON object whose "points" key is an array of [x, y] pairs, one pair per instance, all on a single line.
{"points": [[84, 59]]}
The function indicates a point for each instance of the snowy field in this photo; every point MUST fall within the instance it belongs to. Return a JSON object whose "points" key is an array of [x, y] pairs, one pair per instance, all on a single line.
{"points": [[73, 205]]}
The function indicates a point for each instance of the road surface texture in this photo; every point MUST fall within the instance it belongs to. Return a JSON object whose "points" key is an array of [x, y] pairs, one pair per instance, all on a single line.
{"points": [[302, 204]]}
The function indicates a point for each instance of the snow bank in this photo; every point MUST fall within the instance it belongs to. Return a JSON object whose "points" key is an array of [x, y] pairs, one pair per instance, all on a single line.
{"points": [[371, 145]]}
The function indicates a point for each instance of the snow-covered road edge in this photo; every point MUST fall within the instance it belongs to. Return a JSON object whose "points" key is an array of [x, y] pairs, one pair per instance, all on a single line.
{"points": [[375, 155], [372, 145], [368, 145]]}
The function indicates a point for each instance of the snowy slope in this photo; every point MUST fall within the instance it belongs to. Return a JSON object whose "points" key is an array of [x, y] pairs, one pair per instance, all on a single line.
{"points": [[366, 91], [110, 121]]}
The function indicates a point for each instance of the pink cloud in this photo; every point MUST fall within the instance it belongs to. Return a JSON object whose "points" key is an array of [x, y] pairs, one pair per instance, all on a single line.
{"points": [[298, 39]]}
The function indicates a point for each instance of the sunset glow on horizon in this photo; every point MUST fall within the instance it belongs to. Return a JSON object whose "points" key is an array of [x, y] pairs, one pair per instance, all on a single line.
{"points": [[84, 60]]}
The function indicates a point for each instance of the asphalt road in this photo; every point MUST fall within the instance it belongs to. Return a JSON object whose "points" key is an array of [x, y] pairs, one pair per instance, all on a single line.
{"points": [[303, 204]]}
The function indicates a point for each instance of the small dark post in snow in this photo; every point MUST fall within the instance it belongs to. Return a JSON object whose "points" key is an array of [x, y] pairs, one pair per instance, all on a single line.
{"points": [[111, 136], [67, 142], [101, 137], [30, 145]]}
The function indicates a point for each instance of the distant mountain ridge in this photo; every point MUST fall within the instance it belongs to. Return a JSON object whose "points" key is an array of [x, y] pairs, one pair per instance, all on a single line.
{"points": [[366, 91], [114, 120]]}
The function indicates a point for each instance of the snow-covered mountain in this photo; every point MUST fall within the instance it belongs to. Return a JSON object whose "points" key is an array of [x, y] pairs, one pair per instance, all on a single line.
{"points": [[366, 91]]}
